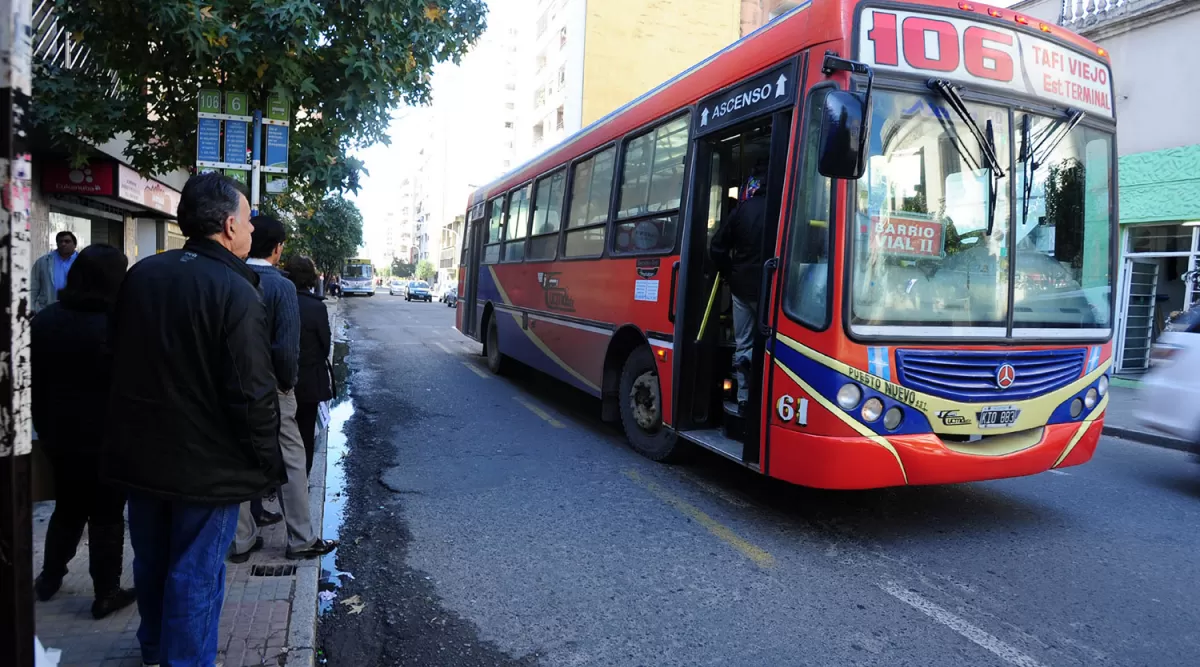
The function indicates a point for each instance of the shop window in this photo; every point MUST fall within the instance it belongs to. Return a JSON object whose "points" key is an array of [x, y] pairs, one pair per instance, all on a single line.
{"points": [[1159, 238]]}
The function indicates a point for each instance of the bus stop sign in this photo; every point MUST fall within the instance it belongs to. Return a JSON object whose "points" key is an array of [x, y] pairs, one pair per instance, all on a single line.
{"points": [[762, 93]]}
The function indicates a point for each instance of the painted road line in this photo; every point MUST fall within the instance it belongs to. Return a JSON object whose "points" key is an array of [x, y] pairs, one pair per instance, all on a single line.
{"points": [[443, 348], [977, 635], [476, 370], [756, 554], [540, 412]]}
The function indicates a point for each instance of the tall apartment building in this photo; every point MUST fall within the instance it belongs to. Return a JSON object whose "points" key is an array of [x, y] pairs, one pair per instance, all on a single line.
{"points": [[585, 59], [463, 139]]}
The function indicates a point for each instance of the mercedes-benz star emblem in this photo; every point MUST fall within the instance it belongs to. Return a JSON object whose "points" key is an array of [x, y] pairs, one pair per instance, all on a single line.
{"points": [[1005, 376]]}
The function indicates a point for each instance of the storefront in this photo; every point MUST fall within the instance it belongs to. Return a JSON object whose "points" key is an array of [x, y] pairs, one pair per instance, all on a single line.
{"points": [[1160, 244], [102, 201]]}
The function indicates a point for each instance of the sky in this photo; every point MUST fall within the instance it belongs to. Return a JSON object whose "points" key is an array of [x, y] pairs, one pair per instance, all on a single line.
{"points": [[385, 164], [376, 195]]}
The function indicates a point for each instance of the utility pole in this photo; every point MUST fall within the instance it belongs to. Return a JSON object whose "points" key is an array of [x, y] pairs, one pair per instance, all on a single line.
{"points": [[16, 526]]}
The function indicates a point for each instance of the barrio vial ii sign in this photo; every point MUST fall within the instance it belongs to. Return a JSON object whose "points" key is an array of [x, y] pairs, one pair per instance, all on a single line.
{"points": [[906, 236], [983, 54]]}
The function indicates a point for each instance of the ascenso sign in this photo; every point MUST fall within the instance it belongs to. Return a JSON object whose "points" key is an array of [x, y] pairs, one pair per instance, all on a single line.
{"points": [[986, 55]]}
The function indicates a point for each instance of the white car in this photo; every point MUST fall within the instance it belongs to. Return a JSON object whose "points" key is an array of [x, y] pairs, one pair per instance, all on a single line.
{"points": [[1171, 390], [397, 287]]}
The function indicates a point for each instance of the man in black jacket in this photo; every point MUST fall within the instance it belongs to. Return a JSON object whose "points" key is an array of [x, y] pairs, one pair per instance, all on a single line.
{"points": [[736, 249], [195, 417]]}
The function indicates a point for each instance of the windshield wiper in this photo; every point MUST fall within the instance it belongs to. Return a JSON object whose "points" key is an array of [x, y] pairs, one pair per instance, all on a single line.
{"points": [[1029, 154], [986, 139]]}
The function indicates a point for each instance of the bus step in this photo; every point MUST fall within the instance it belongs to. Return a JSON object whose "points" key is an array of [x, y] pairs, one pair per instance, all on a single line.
{"points": [[714, 440], [734, 425]]}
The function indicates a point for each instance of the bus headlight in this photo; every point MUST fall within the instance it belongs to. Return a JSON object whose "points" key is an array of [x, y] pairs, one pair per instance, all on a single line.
{"points": [[1090, 398], [1102, 385], [892, 418], [1076, 408], [849, 396], [872, 409]]}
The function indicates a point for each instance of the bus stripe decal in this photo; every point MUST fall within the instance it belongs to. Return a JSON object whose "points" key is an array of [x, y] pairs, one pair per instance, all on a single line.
{"points": [[1083, 427], [541, 345], [853, 423]]}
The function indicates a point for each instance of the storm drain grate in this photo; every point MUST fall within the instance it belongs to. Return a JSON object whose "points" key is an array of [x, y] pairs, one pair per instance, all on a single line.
{"points": [[272, 570]]}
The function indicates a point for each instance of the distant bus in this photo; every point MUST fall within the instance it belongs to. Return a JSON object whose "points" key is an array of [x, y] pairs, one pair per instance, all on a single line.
{"points": [[935, 301], [358, 277]]}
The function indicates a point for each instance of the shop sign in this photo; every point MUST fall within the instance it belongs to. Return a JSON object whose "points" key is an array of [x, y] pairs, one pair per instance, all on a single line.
{"points": [[94, 179], [136, 189]]}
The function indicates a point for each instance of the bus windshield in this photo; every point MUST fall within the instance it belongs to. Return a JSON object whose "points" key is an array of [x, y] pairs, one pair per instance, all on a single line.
{"points": [[357, 270], [926, 261]]}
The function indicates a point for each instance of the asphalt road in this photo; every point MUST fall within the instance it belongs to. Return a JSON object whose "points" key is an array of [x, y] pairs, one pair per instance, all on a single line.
{"points": [[497, 521]]}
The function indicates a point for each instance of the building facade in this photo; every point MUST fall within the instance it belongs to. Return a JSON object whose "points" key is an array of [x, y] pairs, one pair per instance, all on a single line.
{"points": [[583, 60], [1149, 42]]}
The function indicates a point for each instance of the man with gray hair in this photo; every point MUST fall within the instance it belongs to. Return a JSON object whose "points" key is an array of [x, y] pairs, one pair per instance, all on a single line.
{"points": [[197, 418]]}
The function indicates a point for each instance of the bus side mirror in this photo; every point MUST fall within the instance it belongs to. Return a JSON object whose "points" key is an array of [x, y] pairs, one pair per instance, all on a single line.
{"points": [[842, 135]]}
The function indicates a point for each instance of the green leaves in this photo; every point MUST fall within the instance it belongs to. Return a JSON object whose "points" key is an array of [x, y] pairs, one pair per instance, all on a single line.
{"points": [[331, 235], [344, 66]]}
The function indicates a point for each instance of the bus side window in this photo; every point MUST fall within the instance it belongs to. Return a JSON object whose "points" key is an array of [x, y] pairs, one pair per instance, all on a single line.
{"points": [[491, 251], [807, 296], [547, 216], [651, 189], [591, 192]]}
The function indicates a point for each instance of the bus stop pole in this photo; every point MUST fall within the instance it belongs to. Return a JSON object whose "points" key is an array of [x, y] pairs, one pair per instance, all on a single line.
{"points": [[16, 453], [256, 163]]}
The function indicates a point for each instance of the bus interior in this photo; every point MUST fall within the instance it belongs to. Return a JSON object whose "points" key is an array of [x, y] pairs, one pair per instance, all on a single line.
{"points": [[708, 390]]}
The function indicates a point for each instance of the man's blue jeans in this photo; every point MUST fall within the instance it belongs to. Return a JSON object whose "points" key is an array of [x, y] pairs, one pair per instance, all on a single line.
{"points": [[179, 552]]}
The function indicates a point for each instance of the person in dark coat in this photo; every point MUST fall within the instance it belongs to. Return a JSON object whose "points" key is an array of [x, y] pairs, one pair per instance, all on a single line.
{"points": [[316, 377], [736, 249], [198, 431], [72, 376]]}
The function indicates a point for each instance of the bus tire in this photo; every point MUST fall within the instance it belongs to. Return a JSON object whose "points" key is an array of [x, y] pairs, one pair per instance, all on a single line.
{"points": [[497, 362], [640, 398]]}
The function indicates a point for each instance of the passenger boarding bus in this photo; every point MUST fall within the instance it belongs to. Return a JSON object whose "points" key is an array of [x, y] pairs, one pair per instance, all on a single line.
{"points": [[936, 286], [358, 277]]}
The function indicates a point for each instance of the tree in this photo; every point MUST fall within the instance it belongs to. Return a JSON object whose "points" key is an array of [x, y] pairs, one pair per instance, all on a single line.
{"points": [[332, 235], [344, 66], [401, 268], [425, 270], [1065, 210]]}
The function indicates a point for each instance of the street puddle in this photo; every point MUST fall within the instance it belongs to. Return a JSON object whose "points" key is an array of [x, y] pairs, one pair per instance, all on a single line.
{"points": [[337, 448]]}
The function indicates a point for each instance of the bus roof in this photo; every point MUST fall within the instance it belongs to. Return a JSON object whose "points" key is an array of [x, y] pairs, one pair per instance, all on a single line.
{"points": [[802, 27]]}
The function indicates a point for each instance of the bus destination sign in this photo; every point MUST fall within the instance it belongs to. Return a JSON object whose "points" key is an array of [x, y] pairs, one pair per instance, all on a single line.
{"points": [[907, 236], [762, 93], [983, 54]]}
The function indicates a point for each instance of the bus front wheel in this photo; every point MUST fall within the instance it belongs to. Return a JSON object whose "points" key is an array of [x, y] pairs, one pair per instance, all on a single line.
{"points": [[497, 362], [641, 409]]}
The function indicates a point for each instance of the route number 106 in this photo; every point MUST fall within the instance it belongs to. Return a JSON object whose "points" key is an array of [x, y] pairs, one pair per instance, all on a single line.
{"points": [[933, 45], [792, 412]]}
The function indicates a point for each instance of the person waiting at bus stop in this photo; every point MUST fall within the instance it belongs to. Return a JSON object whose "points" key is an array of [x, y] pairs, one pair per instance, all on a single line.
{"points": [[736, 249]]}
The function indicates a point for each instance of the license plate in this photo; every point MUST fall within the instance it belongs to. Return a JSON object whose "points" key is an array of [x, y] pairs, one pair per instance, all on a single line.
{"points": [[997, 416]]}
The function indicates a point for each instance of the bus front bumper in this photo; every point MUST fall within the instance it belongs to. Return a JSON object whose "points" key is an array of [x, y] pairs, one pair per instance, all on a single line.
{"points": [[867, 463]]}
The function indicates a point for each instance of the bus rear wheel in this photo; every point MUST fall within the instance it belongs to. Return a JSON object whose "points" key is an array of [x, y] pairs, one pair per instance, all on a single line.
{"points": [[497, 362], [641, 409]]}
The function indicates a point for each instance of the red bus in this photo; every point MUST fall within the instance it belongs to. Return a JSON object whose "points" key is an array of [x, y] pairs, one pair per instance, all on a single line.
{"points": [[936, 296]]}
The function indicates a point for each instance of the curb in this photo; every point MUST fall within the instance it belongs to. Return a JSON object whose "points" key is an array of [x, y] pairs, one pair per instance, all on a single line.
{"points": [[1148, 438], [302, 622]]}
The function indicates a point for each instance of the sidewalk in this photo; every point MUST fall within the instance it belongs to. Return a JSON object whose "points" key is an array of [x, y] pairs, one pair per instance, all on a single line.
{"points": [[270, 611], [1120, 419]]}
